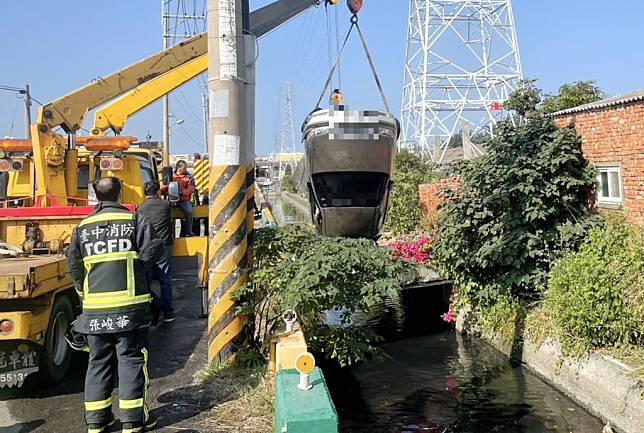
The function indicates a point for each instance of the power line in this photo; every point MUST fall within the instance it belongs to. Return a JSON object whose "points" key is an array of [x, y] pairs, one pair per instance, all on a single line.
{"points": [[185, 131], [13, 118]]}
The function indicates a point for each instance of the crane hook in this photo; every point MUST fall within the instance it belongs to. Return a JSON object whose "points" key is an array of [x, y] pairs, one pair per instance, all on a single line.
{"points": [[354, 6]]}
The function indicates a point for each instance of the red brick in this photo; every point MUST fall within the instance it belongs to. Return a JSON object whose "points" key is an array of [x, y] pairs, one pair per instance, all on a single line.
{"points": [[615, 135], [432, 194]]}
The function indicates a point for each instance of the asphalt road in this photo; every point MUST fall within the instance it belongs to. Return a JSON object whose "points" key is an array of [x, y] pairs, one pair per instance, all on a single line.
{"points": [[177, 354]]}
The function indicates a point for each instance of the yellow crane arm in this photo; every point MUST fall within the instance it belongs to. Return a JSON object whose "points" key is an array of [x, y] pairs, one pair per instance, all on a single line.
{"points": [[115, 114], [70, 111]]}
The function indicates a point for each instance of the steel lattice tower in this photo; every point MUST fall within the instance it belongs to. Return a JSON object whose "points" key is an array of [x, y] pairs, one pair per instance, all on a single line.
{"points": [[462, 62], [287, 134]]}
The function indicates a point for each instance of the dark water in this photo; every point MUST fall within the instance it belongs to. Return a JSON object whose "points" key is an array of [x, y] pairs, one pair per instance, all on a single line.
{"points": [[448, 383]]}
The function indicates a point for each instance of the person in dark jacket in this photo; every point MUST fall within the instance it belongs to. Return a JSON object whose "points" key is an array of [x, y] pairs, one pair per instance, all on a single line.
{"points": [[157, 211], [107, 259]]}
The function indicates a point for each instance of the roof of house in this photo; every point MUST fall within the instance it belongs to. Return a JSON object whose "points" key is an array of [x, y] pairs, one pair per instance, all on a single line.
{"points": [[608, 102]]}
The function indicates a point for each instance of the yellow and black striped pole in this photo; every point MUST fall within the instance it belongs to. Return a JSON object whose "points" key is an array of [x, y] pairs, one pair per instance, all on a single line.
{"points": [[250, 209], [228, 214], [201, 174]]}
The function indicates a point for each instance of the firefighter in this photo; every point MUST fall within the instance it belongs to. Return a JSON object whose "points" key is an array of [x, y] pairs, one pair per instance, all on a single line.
{"points": [[108, 258]]}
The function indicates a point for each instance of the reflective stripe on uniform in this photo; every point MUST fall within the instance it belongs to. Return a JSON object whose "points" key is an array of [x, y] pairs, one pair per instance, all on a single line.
{"points": [[105, 217], [116, 298], [110, 257], [101, 429], [131, 404], [98, 405], [125, 301], [146, 415]]}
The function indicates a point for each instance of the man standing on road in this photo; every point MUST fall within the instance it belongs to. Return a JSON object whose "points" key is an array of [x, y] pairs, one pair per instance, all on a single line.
{"points": [[186, 189], [107, 259], [157, 211]]}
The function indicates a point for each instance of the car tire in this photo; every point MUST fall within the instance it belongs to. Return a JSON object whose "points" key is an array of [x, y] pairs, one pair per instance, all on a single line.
{"points": [[56, 353]]}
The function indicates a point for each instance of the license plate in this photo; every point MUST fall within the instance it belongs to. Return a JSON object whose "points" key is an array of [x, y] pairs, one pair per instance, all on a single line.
{"points": [[15, 366], [16, 378]]}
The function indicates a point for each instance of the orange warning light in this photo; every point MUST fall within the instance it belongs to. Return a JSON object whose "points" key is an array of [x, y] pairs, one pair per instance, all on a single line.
{"points": [[15, 145], [107, 144]]}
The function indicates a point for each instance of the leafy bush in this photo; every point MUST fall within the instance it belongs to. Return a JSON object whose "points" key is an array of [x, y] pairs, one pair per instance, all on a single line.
{"points": [[404, 204], [505, 318], [518, 208], [596, 296], [295, 268]]}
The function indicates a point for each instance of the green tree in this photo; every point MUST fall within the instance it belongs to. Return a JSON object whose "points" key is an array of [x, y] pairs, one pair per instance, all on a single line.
{"points": [[456, 140], [410, 170], [518, 208], [572, 95], [525, 99]]}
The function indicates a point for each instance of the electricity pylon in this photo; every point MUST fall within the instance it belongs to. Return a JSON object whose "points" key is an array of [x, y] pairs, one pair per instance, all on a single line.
{"points": [[462, 62]]}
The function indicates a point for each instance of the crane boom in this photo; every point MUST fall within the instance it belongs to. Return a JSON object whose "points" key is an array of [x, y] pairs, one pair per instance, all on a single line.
{"points": [[115, 114], [70, 111]]}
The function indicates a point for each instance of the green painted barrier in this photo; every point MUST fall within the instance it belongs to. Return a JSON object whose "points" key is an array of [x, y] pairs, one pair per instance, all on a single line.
{"points": [[298, 411]]}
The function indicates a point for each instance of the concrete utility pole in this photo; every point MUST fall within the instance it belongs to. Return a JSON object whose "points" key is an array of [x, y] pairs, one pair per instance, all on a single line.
{"points": [[166, 102], [229, 162], [27, 98], [468, 151], [250, 57], [204, 109]]}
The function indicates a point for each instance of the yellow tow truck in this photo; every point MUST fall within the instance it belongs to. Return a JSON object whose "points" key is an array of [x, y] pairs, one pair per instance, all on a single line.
{"points": [[37, 301], [45, 190]]}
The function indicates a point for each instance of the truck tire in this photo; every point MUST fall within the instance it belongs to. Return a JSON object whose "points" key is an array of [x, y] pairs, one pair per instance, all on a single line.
{"points": [[56, 353]]}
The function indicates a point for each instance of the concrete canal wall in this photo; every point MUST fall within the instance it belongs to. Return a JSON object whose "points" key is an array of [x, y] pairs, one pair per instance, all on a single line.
{"points": [[297, 201], [605, 387]]}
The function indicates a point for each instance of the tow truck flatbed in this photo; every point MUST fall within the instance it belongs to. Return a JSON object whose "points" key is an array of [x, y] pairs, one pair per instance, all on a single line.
{"points": [[32, 276]]}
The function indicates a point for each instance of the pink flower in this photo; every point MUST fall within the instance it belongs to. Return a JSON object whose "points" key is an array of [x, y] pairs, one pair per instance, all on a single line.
{"points": [[417, 251], [450, 317]]}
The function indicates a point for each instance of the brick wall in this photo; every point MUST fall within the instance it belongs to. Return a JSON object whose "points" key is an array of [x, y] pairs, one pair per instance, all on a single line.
{"points": [[615, 135], [431, 194]]}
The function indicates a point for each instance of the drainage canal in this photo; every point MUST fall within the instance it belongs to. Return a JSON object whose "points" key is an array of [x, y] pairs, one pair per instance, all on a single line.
{"points": [[435, 381], [443, 382]]}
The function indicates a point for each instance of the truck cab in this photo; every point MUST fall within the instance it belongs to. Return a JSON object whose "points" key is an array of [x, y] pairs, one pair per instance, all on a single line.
{"points": [[37, 299]]}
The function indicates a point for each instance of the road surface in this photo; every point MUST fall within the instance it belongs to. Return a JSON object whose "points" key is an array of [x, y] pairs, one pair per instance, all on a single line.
{"points": [[177, 354]]}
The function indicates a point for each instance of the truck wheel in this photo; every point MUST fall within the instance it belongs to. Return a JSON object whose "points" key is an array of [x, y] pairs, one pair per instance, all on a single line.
{"points": [[56, 354]]}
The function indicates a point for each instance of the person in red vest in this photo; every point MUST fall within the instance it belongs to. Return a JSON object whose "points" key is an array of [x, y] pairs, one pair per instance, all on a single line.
{"points": [[187, 189]]}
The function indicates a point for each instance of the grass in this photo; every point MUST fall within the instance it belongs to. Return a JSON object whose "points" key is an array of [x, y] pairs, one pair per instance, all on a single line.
{"points": [[540, 326], [244, 399], [633, 356]]}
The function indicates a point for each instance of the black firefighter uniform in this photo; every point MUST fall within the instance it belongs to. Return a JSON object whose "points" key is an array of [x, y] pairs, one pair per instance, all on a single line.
{"points": [[107, 259]]}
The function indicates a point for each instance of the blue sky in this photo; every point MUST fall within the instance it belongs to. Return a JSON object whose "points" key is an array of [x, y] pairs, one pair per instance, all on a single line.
{"points": [[57, 47]]}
